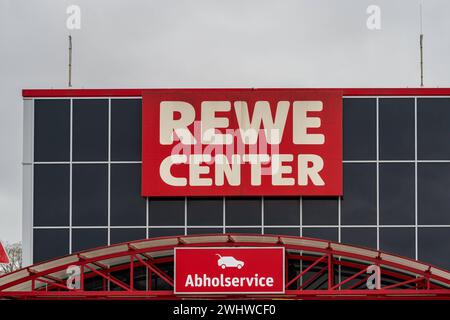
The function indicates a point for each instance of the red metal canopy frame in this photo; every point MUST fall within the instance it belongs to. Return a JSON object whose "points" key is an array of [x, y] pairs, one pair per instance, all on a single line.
{"points": [[315, 269]]}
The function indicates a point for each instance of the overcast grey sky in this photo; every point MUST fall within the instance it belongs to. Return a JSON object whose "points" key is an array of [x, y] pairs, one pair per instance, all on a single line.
{"points": [[206, 43]]}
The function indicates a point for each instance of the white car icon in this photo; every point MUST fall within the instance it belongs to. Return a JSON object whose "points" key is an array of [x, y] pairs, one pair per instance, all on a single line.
{"points": [[229, 262]]}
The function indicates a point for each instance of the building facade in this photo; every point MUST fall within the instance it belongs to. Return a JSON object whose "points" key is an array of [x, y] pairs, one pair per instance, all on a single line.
{"points": [[82, 179]]}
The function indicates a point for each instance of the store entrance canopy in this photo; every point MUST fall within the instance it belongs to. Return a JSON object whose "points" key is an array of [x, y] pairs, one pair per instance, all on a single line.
{"points": [[144, 269]]}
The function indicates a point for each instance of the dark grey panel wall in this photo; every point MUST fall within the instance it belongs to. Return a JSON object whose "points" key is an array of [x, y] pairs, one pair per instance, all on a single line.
{"points": [[90, 130], [166, 211], [359, 205], [52, 130], [128, 208], [50, 243], [397, 193], [376, 189], [90, 195], [365, 237], [331, 234], [433, 193], [433, 130], [243, 211], [359, 124], [433, 246], [83, 239], [126, 129], [119, 235], [400, 241], [205, 212], [396, 128], [51, 205], [320, 211]]}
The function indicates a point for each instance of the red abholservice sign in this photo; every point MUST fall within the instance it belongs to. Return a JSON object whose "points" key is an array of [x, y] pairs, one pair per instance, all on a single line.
{"points": [[233, 142], [215, 270]]}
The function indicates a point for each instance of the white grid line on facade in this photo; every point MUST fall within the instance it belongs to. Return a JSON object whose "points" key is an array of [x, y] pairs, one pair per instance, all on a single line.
{"points": [[339, 219], [377, 120], [416, 242], [32, 186], [88, 162], [185, 216], [301, 216], [147, 217], [396, 161], [140, 162], [248, 226], [262, 215], [224, 208], [70, 175], [384, 97], [109, 171]]}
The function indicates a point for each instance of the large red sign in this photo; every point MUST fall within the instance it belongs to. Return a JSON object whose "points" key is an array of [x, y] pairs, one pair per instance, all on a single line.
{"points": [[232, 142], [229, 270]]}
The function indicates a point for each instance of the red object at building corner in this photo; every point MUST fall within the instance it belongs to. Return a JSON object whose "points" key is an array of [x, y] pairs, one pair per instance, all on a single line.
{"points": [[3, 255]]}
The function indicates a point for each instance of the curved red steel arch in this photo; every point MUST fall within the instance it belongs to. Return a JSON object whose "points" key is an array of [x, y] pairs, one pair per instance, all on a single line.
{"points": [[317, 269]]}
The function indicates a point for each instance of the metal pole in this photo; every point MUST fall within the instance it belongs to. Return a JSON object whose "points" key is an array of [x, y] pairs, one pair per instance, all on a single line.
{"points": [[421, 48], [70, 61], [421, 60], [330, 272]]}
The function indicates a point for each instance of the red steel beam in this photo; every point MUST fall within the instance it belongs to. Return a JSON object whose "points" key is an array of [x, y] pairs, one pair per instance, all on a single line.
{"points": [[356, 285], [313, 278], [349, 279], [132, 272], [403, 283], [330, 271], [109, 278], [305, 271], [156, 270], [393, 294], [52, 283]]}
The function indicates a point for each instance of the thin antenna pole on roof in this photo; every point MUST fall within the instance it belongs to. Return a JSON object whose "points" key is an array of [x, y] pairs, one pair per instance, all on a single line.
{"points": [[70, 60], [421, 47]]}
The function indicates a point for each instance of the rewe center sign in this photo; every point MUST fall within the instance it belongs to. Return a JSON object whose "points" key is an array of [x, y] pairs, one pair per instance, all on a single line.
{"points": [[214, 270], [231, 142]]}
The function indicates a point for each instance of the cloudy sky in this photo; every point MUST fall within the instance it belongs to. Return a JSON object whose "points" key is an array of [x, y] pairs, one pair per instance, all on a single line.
{"points": [[206, 43]]}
